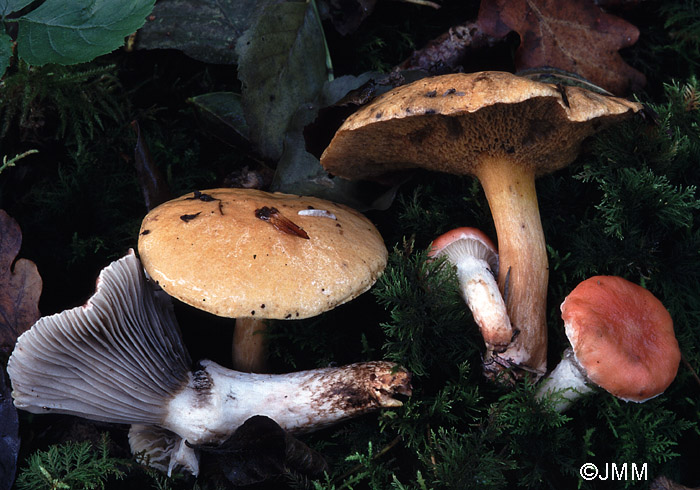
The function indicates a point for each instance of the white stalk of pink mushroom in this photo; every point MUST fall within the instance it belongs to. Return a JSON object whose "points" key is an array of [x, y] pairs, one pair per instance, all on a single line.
{"points": [[119, 358], [475, 259]]}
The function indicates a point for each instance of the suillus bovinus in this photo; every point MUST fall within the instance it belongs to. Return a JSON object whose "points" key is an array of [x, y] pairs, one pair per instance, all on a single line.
{"points": [[503, 129]]}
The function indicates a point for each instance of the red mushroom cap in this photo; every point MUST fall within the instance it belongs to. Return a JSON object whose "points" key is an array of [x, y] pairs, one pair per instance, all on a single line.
{"points": [[622, 336], [482, 247]]}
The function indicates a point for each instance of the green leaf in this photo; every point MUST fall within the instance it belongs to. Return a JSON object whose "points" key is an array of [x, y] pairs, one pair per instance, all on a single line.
{"points": [[5, 52], [9, 6], [222, 114], [78, 32], [206, 30], [282, 64]]}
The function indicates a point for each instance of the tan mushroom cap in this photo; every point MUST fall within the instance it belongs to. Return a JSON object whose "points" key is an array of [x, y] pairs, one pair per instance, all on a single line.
{"points": [[446, 123], [622, 337], [216, 254]]}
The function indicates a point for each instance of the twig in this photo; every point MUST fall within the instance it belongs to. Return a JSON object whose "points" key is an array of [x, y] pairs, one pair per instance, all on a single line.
{"points": [[11, 163], [425, 3], [329, 63], [690, 368], [449, 50]]}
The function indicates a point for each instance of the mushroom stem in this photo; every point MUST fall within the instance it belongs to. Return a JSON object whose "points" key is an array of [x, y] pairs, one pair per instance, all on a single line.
{"points": [[476, 261], [567, 383], [523, 269], [480, 291], [249, 349], [217, 400], [120, 359]]}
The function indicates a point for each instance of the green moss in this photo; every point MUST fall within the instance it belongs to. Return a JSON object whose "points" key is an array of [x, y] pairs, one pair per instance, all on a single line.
{"points": [[71, 465]]}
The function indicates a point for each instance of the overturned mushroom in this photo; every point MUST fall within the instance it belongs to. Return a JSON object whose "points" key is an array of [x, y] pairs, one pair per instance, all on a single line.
{"points": [[475, 259], [622, 340], [257, 256], [119, 358], [503, 129]]}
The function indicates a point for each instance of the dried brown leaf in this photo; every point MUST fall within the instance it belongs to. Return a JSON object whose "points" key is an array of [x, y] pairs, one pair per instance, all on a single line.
{"points": [[20, 286], [572, 35]]}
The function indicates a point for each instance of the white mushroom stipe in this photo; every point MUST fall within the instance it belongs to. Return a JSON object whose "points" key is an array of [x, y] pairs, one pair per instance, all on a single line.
{"points": [[566, 383], [120, 359], [479, 290], [476, 262], [321, 213]]}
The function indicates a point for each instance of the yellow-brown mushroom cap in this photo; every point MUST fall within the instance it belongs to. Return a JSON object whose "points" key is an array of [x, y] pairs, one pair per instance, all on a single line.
{"points": [[446, 123], [622, 337], [227, 251]]}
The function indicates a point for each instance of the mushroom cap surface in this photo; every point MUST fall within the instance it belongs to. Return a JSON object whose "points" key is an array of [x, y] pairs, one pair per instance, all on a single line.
{"points": [[622, 336], [227, 251], [446, 123]]}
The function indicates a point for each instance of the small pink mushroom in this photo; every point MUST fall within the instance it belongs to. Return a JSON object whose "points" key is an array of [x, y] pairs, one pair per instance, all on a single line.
{"points": [[475, 257], [622, 340]]}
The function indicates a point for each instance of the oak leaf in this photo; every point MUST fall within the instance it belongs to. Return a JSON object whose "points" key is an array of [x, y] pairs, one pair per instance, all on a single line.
{"points": [[571, 35], [20, 286]]}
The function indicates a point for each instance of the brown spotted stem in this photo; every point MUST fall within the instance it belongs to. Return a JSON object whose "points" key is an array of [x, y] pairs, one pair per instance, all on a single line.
{"points": [[523, 269], [505, 130]]}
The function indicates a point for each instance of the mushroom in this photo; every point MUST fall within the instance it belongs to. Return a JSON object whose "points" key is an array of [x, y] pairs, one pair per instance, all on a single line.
{"points": [[162, 449], [503, 129], [254, 256], [475, 259], [622, 340], [120, 359]]}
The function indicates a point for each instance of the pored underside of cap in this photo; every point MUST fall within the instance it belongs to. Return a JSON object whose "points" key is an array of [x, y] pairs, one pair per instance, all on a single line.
{"points": [[230, 252], [446, 123], [622, 336]]}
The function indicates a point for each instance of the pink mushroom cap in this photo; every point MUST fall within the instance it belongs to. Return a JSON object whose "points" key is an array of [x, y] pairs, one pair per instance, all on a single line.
{"points": [[622, 336], [483, 246]]}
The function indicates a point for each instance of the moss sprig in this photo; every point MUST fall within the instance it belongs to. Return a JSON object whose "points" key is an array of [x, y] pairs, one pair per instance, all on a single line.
{"points": [[428, 331], [64, 102], [71, 466]]}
